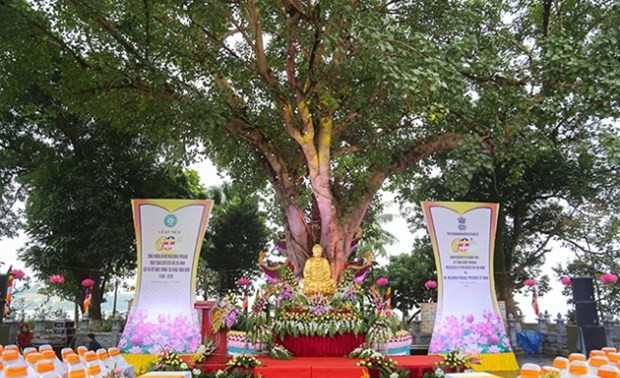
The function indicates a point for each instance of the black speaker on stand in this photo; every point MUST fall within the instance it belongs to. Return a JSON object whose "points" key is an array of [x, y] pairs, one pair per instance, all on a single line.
{"points": [[591, 334], [4, 279]]}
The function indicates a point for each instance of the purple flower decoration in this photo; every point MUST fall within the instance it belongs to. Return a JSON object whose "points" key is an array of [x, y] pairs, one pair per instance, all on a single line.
{"points": [[382, 281], [359, 279], [231, 318], [609, 278], [530, 282], [243, 281], [285, 294], [271, 279], [319, 309], [565, 281], [349, 294], [430, 284]]}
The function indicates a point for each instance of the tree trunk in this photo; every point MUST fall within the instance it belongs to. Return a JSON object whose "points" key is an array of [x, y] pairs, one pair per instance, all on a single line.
{"points": [[502, 266], [297, 237], [94, 311]]}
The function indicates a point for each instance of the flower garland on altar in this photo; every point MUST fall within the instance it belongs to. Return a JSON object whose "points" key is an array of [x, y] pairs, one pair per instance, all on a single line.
{"points": [[281, 308]]}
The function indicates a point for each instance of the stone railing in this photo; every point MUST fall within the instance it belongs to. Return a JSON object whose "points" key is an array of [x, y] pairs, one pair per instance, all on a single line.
{"points": [[558, 337], [45, 332]]}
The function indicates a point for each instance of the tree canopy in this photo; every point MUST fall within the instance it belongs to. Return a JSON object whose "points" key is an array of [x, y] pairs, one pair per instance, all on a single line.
{"points": [[78, 175], [328, 100], [237, 233]]}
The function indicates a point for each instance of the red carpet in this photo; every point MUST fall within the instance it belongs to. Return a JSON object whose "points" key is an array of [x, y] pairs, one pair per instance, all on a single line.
{"points": [[327, 367]]}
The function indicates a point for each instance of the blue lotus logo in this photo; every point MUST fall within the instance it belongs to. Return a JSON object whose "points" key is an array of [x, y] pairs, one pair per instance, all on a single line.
{"points": [[170, 220]]}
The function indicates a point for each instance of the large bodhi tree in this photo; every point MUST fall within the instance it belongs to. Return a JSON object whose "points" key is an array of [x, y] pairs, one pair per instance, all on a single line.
{"points": [[330, 98]]}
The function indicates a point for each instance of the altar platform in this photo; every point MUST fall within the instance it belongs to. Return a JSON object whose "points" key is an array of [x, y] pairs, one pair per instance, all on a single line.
{"points": [[329, 367]]}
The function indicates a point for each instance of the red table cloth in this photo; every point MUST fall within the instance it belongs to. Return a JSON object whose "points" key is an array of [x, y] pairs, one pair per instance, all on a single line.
{"points": [[323, 346]]}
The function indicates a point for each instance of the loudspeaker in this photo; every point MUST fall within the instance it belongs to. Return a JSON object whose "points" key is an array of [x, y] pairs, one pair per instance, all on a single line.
{"points": [[587, 314], [592, 338], [3, 287], [583, 289]]}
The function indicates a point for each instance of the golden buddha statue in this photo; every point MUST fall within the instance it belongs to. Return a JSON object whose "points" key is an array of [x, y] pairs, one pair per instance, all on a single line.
{"points": [[317, 274]]}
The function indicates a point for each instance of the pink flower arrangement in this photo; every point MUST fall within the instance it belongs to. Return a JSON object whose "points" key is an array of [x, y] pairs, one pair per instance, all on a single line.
{"points": [[530, 282], [57, 279], [88, 282], [609, 278], [243, 281], [18, 274], [430, 284], [565, 281], [382, 281]]}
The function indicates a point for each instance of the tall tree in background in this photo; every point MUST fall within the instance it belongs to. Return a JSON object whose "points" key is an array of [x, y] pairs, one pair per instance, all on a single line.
{"points": [[79, 176], [237, 233], [540, 180], [78, 211], [407, 274], [330, 99]]}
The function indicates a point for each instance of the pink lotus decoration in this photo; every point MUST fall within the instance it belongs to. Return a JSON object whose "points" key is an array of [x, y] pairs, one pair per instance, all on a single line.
{"points": [[430, 284], [18, 274], [382, 281], [530, 282], [565, 281], [609, 278], [88, 282], [243, 281], [57, 279]]}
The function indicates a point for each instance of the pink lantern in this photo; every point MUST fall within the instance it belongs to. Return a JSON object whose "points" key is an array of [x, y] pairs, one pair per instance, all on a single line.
{"points": [[565, 281], [18, 274], [243, 281], [609, 278], [382, 281], [430, 284], [88, 282], [530, 282], [57, 279]]}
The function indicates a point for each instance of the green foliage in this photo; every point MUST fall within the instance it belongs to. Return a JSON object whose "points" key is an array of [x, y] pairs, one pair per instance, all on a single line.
{"points": [[375, 86], [237, 233], [593, 238], [80, 176], [407, 274]]}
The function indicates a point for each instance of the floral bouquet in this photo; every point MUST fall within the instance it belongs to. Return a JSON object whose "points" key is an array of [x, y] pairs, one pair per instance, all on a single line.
{"points": [[203, 351], [114, 373], [228, 374], [278, 352], [244, 361], [380, 365], [227, 313], [454, 362], [169, 361]]}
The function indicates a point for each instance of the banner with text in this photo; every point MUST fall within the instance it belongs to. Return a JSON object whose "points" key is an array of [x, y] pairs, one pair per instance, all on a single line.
{"points": [[169, 236], [468, 318]]}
